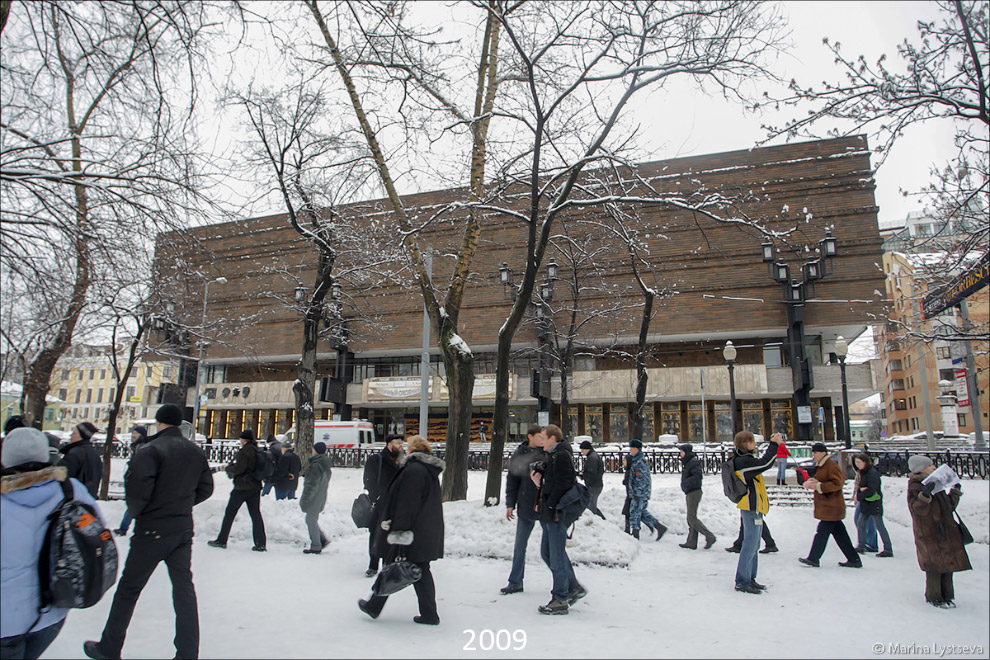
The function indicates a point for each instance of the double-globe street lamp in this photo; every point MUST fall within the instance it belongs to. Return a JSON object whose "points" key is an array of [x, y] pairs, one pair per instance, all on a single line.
{"points": [[202, 344], [796, 293], [540, 383], [729, 353]]}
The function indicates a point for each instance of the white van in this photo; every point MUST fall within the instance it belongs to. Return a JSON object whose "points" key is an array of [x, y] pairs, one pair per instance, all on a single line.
{"points": [[349, 435], [152, 425]]}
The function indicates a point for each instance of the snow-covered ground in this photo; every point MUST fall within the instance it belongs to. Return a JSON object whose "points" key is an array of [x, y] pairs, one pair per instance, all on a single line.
{"points": [[646, 599]]}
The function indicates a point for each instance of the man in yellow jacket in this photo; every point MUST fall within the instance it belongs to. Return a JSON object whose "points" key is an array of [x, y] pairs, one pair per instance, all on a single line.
{"points": [[830, 510]]}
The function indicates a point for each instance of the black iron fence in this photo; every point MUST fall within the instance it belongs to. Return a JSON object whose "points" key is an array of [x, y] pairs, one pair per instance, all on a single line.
{"points": [[967, 464]]}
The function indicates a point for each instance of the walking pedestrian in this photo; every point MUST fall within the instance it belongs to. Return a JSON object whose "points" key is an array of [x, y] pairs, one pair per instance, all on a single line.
{"points": [[869, 543], [247, 490], [411, 524], [640, 489], [769, 545], [753, 506], [139, 437], [287, 474], [30, 493], [830, 510], [939, 543], [81, 458], [314, 496], [483, 431], [869, 496], [556, 479], [522, 502], [593, 475], [379, 471], [782, 455], [691, 478], [274, 449], [166, 479]]}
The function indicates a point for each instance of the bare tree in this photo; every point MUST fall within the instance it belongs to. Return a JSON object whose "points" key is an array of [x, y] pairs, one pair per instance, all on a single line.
{"points": [[578, 65], [382, 48], [95, 149]]}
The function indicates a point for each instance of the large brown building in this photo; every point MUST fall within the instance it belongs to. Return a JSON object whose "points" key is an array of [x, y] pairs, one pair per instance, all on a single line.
{"points": [[715, 288]]}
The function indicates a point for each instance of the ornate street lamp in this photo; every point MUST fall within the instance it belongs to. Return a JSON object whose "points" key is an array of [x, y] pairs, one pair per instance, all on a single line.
{"points": [[841, 349], [729, 353]]}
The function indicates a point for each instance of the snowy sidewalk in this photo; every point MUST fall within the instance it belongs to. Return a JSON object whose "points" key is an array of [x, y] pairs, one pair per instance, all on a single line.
{"points": [[646, 599]]}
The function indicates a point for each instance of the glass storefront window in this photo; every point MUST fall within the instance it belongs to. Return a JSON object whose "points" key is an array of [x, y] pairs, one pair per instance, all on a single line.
{"points": [[619, 424], [593, 422]]}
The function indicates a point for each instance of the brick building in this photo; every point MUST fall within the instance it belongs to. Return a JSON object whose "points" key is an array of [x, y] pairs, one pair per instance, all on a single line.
{"points": [[717, 288]]}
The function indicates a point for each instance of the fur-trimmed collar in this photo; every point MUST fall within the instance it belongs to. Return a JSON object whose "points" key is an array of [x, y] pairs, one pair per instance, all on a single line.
{"points": [[425, 458], [24, 480]]}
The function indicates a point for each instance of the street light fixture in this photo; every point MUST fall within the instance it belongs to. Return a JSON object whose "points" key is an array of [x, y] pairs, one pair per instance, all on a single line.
{"points": [[841, 349], [300, 293], [729, 353], [202, 345]]}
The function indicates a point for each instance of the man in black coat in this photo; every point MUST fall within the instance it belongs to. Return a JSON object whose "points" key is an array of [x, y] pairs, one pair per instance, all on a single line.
{"points": [[411, 524], [379, 471], [247, 490], [593, 475], [521, 495], [691, 478], [556, 479], [82, 460], [287, 474], [165, 480]]}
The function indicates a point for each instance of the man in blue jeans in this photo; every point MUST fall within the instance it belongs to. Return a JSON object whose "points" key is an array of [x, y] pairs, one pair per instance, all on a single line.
{"points": [[556, 479], [520, 495]]}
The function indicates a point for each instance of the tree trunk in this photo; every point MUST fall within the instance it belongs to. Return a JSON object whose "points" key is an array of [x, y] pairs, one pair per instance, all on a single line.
{"points": [[641, 376], [305, 385], [493, 485], [460, 390]]}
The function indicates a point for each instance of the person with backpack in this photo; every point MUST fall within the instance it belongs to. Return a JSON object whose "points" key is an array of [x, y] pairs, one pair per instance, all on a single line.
{"points": [[379, 471], [314, 497], [247, 490], [82, 459], [593, 475], [869, 496], [139, 437], [410, 524], [691, 478], [31, 491], [640, 489], [554, 479], [753, 505], [166, 479], [521, 496], [287, 474]]}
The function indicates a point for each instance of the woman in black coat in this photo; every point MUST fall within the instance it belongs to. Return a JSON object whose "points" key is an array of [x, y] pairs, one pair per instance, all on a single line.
{"points": [[411, 525], [870, 498]]}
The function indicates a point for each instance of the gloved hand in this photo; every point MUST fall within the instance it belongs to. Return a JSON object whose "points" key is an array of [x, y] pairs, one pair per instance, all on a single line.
{"points": [[928, 489]]}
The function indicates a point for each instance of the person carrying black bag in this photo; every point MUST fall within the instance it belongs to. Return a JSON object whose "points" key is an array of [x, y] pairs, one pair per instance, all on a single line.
{"points": [[411, 526], [378, 474]]}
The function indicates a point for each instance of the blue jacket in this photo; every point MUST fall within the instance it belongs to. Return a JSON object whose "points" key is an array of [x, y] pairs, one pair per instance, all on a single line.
{"points": [[27, 499], [640, 483]]}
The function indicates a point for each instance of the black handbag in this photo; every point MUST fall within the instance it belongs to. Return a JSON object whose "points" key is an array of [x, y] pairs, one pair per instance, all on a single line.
{"points": [[964, 532], [396, 576], [362, 511]]}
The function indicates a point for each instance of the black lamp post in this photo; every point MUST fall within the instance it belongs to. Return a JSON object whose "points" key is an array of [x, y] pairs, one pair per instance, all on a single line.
{"points": [[729, 353], [841, 349], [540, 381], [796, 293]]}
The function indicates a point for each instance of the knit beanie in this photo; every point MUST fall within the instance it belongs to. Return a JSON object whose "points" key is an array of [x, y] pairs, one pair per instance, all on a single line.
{"points": [[170, 414], [635, 443], [24, 445], [917, 463], [247, 434], [86, 430], [320, 447]]}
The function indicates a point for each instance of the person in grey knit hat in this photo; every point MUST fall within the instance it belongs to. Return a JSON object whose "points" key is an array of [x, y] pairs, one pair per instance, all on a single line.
{"points": [[917, 463]]}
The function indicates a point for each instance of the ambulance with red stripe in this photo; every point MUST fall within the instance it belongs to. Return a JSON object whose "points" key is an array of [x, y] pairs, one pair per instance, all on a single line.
{"points": [[347, 435]]}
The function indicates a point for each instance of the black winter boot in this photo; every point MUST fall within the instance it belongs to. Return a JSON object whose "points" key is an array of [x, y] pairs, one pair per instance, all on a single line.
{"points": [[635, 534]]}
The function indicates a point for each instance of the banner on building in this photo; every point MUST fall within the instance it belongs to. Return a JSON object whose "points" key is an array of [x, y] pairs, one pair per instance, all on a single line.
{"points": [[962, 388], [961, 287], [380, 389]]}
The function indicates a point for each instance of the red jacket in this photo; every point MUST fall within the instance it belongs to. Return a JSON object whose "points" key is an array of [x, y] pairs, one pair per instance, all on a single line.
{"points": [[783, 451]]}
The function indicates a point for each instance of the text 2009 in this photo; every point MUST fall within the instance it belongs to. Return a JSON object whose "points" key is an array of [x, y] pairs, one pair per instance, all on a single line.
{"points": [[503, 640]]}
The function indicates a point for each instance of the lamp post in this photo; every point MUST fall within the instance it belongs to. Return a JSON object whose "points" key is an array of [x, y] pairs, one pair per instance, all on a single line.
{"points": [[540, 382], [202, 345], [729, 353], [841, 349], [796, 293]]}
